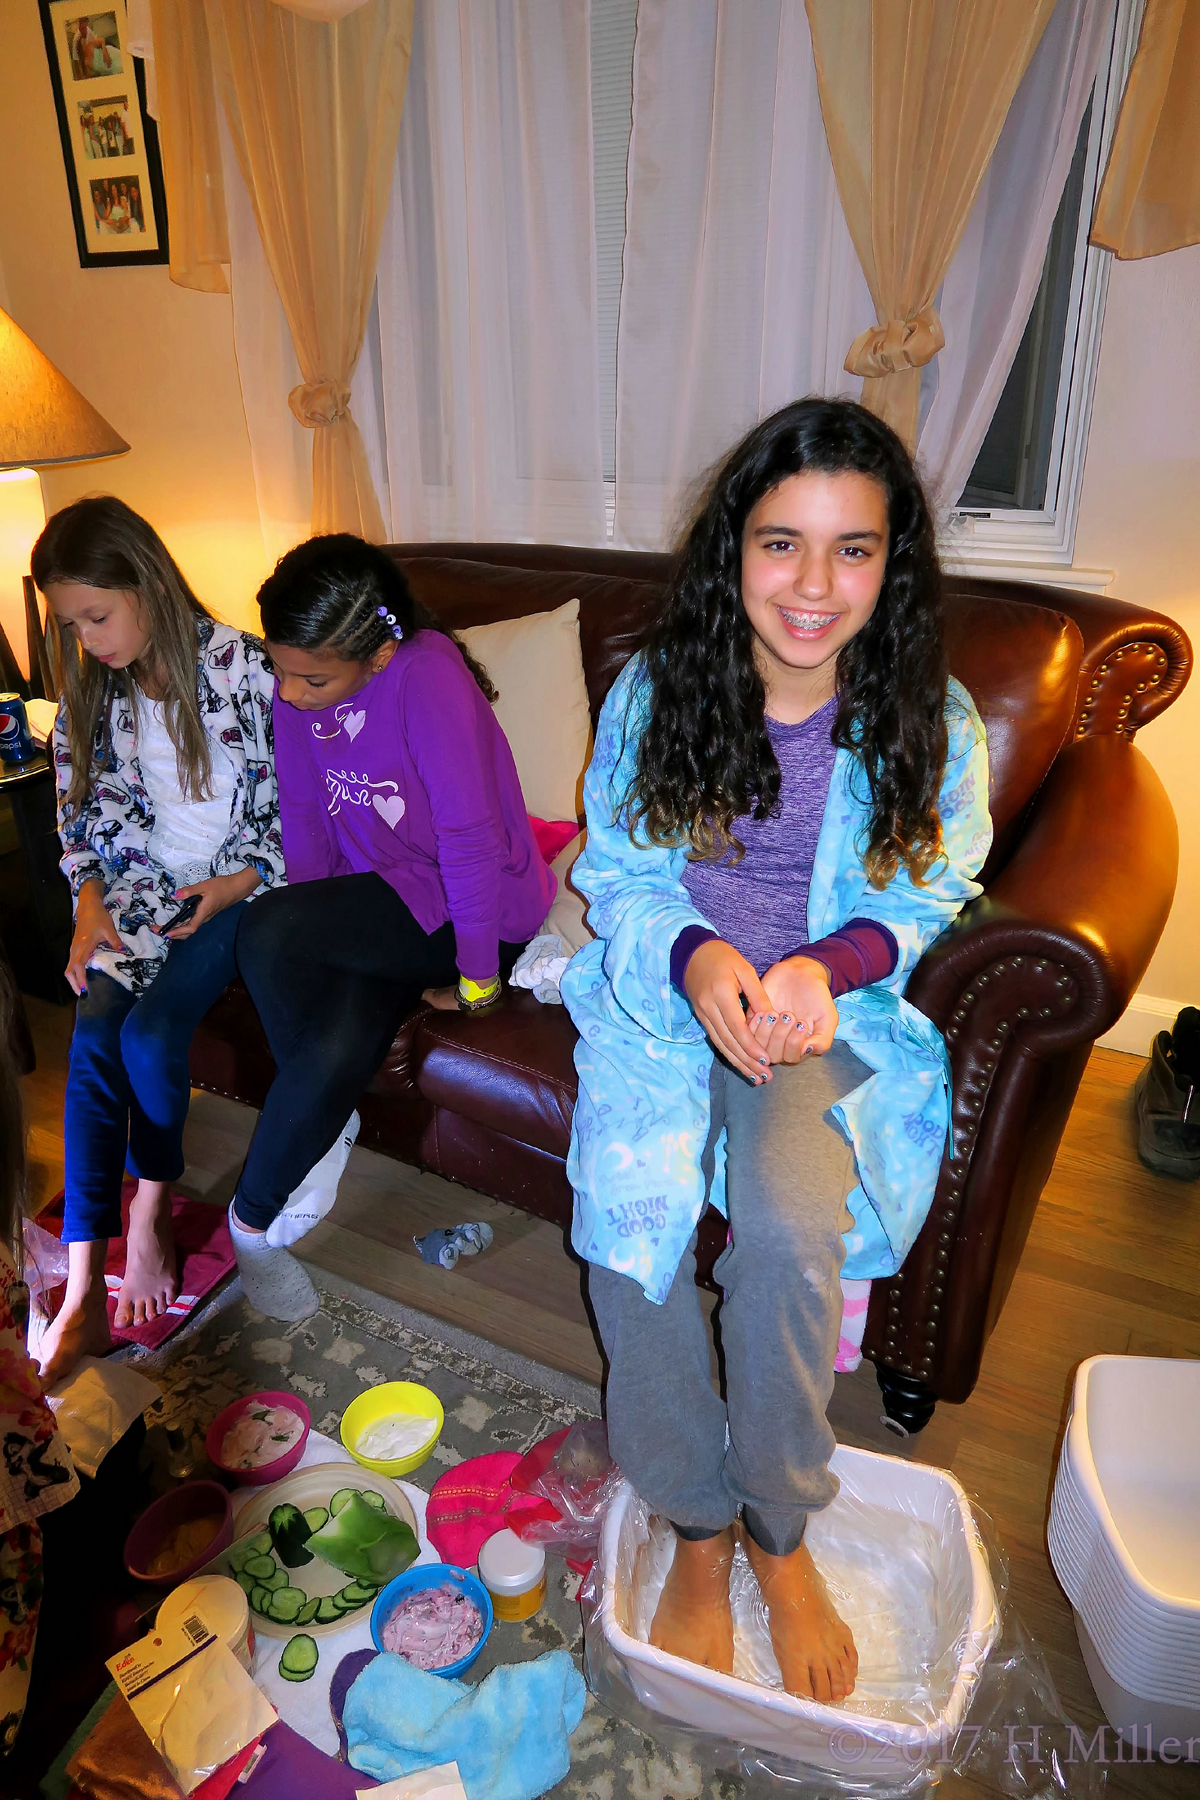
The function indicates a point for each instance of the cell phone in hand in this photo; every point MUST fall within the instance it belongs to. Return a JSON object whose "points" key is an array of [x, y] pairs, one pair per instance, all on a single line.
{"points": [[184, 916]]}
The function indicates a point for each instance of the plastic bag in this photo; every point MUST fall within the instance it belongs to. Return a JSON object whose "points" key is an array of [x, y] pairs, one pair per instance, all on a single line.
{"points": [[192, 1698], [574, 1471], [949, 1682], [45, 1264]]}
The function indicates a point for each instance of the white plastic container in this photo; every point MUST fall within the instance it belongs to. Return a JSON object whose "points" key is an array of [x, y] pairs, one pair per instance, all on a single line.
{"points": [[222, 1605], [1124, 1538], [901, 1537]]}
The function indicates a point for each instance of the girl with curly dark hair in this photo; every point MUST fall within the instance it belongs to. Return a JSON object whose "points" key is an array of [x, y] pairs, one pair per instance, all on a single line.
{"points": [[787, 803]]}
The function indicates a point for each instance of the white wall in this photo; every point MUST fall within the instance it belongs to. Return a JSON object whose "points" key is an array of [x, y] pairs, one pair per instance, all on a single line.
{"points": [[155, 359], [1140, 515]]}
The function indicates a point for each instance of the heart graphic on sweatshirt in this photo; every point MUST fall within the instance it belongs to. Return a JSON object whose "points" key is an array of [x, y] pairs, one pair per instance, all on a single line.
{"points": [[354, 723], [391, 809]]}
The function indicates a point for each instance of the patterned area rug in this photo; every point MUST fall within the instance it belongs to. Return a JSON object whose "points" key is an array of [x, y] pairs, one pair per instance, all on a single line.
{"points": [[493, 1401]]}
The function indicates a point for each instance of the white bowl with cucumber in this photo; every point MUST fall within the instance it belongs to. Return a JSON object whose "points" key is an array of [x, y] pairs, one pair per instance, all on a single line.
{"points": [[302, 1571]]}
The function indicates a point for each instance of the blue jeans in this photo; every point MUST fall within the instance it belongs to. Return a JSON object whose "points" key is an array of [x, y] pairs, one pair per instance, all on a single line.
{"points": [[128, 1082]]}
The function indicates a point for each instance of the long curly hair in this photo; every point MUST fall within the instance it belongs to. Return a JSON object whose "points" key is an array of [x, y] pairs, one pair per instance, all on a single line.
{"points": [[335, 592], [704, 758], [100, 542]]}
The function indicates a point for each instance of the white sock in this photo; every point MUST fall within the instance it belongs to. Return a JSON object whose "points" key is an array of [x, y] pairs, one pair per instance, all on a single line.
{"points": [[308, 1204], [273, 1281]]}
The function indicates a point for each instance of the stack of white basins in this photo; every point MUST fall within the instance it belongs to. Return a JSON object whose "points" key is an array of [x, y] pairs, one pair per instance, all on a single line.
{"points": [[1124, 1540]]}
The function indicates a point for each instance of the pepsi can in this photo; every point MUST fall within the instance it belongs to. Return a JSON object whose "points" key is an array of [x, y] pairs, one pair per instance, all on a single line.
{"points": [[16, 745]]}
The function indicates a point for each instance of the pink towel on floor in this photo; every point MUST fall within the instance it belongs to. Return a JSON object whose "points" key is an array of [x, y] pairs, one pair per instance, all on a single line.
{"points": [[553, 835], [205, 1257], [473, 1501]]}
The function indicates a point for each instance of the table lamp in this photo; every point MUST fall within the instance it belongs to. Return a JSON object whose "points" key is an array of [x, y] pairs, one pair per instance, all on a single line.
{"points": [[44, 421]]}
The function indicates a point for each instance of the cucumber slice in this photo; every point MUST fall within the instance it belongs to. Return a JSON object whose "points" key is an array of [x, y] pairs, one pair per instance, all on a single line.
{"points": [[279, 1579], [238, 1557], [286, 1605], [260, 1566], [260, 1545], [290, 1530], [373, 1499], [308, 1611], [300, 1657], [358, 1593], [315, 1517], [339, 1500], [260, 1599], [346, 1599], [327, 1612], [246, 1582]]}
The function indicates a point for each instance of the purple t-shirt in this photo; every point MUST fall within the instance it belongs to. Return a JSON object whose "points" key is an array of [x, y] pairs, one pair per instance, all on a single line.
{"points": [[413, 779], [760, 904]]}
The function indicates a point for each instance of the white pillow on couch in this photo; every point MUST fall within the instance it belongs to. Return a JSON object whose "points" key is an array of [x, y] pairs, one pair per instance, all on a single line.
{"points": [[536, 664]]}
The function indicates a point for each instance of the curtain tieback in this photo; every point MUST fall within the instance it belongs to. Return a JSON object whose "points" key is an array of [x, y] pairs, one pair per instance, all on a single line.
{"points": [[900, 344], [320, 402]]}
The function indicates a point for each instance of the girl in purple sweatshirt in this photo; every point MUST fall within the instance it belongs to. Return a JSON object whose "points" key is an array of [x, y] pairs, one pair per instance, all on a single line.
{"points": [[411, 865]]}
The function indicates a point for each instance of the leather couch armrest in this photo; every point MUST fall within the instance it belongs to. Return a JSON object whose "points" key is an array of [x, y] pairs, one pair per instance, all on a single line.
{"points": [[1069, 924]]}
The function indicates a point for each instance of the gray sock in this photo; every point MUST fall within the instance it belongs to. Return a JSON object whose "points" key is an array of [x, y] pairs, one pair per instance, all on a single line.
{"points": [[273, 1281]]}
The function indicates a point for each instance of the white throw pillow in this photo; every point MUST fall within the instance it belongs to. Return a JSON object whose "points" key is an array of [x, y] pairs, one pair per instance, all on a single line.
{"points": [[537, 666], [567, 918]]}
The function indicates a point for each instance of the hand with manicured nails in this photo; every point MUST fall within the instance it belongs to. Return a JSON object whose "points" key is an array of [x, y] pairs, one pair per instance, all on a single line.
{"points": [[215, 894], [716, 979], [801, 1017], [93, 927]]}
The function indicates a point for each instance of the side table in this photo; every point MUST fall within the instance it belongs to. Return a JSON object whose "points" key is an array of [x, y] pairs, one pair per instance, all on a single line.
{"points": [[29, 789]]}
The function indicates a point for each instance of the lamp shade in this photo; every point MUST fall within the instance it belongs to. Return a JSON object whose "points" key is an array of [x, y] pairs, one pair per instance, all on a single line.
{"points": [[43, 418]]}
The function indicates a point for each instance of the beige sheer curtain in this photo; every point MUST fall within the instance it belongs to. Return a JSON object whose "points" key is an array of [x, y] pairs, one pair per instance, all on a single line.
{"points": [[313, 91], [1150, 197], [191, 154], [913, 94], [314, 112]]}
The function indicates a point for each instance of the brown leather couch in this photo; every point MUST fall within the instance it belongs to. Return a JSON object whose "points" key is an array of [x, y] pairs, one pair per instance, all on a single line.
{"points": [[1077, 889]]}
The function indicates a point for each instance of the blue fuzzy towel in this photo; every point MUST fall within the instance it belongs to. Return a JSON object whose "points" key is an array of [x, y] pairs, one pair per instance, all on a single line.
{"points": [[508, 1735]]}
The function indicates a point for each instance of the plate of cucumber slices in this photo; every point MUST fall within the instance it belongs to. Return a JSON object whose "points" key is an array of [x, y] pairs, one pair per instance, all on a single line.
{"points": [[359, 1525]]}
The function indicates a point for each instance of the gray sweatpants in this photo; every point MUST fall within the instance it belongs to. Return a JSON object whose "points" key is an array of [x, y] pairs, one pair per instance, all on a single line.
{"points": [[788, 1172]]}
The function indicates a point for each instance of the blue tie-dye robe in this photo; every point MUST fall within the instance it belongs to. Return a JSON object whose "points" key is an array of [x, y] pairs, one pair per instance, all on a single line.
{"points": [[643, 1061]]}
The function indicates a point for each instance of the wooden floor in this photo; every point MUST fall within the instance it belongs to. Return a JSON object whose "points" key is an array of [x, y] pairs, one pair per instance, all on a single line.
{"points": [[1112, 1264]]}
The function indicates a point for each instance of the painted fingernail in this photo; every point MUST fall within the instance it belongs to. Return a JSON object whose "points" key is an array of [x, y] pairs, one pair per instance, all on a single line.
{"points": [[763, 1060], [770, 1018], [786, 1017]]}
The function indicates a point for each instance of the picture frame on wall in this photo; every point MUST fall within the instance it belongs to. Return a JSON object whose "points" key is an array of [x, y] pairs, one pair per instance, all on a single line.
{"points": [[109, 141]]}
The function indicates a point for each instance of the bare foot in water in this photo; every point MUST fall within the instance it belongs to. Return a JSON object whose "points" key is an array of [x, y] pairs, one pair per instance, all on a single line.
{"points": [[81, 1328], [693, 1618], [151, 1282], [813, 1646]]}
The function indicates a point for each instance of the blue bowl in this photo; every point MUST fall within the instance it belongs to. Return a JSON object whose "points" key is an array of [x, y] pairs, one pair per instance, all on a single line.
{"points": [[432, 1575]]}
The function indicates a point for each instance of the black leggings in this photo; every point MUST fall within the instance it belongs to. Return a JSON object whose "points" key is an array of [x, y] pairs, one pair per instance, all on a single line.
{"points": [[334, 968]]}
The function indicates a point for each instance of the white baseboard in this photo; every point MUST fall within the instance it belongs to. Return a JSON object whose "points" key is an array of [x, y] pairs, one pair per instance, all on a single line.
{"points": [[1137, 1025]]}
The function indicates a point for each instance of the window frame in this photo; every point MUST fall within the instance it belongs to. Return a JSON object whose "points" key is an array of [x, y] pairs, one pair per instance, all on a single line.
{"points": [[1038, 545]]}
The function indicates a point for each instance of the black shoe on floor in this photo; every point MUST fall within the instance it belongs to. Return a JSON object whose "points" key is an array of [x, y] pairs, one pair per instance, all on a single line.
{"points": [[1168, 1114]]}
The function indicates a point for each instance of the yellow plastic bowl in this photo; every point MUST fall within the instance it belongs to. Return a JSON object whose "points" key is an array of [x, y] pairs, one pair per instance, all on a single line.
{"points": [[390, 1399]]}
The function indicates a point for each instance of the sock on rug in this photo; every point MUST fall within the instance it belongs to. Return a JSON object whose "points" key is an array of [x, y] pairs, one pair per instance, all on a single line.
{"points": [[308, 1204], [274, 1282]]}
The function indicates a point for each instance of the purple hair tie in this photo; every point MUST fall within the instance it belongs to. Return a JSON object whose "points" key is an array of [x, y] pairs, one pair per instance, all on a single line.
{"points": [[381, 612]]}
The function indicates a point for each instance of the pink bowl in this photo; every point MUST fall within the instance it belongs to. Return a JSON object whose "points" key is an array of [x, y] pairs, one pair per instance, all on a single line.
{"points": [[269, 1472], [194, 1500]]}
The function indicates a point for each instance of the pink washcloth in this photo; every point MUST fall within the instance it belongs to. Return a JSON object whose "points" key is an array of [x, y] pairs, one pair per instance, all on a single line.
{"points": [[473, 1501]]}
